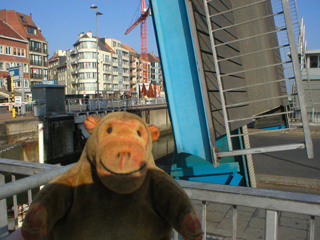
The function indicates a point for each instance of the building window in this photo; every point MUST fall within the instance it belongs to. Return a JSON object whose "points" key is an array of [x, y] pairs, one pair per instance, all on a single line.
{"points": [[88, 45], [23, 19], [25, 68], [36, 73], [35, 46], [1, 49], [8, 65], [35, 60], [8, 50], [1, 66], [87, 55], [45, 73], [314, 61], [45, 61], [32, 30], [45, 48], [88, 75], [26, 83]]}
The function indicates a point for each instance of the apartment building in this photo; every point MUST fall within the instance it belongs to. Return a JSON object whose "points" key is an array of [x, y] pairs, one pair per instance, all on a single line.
{"points": [[155, 74], [37, 51], [135, 69], [81, 67], [56, 62], [13, 52], [311, 72], [121, 65], [115, 71]]}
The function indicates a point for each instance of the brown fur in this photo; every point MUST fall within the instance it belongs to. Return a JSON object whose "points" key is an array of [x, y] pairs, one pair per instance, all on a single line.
{"points": [[115, 191]]}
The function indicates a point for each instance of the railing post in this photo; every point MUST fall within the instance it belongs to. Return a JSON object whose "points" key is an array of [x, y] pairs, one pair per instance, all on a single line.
{"points": [[15, 206], [271, 225], [3, 214], [312, 228], [69, 107], [204, 219], [41, 143], [175, 235], [234, 222]]}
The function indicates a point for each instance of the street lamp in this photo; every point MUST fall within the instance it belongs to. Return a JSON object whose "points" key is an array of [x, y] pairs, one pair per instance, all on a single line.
{"points": [[93, 6]]}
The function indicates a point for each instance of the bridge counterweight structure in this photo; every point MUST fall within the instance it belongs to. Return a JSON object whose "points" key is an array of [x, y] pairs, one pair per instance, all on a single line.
{"points": [[223, 65]]}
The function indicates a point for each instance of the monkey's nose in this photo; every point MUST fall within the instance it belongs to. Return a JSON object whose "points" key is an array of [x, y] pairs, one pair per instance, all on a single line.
{"points": [[123, 157]]}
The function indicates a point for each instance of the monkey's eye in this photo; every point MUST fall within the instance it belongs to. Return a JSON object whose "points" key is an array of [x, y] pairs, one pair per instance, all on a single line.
{"points": [[139, 133], [109, 130]]}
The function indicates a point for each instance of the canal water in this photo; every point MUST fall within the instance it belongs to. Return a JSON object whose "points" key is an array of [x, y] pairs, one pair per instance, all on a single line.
{"points": [[163, 150]]}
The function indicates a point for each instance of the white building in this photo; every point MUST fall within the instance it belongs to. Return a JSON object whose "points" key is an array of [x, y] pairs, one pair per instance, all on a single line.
{"points": [[119, 68], [313, 66]]}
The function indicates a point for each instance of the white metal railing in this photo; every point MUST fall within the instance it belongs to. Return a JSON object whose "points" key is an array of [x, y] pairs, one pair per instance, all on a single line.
{"points": [[313, 113], [84, 105], [90, 105], [21, 107], [272, 202]]}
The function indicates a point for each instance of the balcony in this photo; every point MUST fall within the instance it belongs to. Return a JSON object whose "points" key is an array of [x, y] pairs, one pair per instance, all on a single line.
{"points": [[74, 61], [35, 62], [36, 76], [35, 49]]}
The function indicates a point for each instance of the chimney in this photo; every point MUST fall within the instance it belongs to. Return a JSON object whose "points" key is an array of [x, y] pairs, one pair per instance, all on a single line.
{"points": [[89, 34], [31, 15]]}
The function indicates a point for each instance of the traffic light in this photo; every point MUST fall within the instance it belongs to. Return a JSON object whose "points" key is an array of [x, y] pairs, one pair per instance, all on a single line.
{"points": [[9, 83]]}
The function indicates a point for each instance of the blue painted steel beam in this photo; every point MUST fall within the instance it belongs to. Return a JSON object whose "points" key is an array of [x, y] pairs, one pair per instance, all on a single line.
{"points": [[193, 158], [181, 76]]}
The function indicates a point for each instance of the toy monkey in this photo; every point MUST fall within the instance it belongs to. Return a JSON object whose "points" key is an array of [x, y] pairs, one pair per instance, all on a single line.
{"points": [[115, 191]]}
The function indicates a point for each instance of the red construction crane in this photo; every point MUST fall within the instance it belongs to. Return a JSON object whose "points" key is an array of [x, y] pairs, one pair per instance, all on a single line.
{"points": [[145, 12]]}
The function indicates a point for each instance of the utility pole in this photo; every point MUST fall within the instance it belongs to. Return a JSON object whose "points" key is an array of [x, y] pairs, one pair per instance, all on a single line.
{"points": [[97, 14], [12, 97], [23, 107]]}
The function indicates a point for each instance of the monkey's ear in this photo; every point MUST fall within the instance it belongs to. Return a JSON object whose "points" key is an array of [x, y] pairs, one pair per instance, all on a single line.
{"points": [[91, 122], [155, 132]]}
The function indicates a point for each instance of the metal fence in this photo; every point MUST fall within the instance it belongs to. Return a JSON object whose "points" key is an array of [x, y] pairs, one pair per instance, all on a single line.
{"points": [[21, 108], [89, 105], [85, 105], [313, 113], [272, 202]]}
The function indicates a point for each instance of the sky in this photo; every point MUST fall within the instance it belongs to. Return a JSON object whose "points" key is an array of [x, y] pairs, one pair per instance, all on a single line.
{"points": [[62, 20]]}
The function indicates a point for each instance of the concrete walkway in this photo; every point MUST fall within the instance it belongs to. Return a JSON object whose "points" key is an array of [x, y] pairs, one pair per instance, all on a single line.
{"points": [[252, 221], [7, 117]]}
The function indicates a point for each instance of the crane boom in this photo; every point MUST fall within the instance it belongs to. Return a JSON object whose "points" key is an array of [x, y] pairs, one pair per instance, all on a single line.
{"points": [[145, 12], [139, 20]]}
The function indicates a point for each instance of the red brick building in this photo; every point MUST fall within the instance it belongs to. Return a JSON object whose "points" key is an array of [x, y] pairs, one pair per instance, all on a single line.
{"points": [[13, 51], [37, 51]]}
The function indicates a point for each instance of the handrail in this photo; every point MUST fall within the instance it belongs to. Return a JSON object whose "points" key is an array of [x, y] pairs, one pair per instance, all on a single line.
{"points": [[25, 184], [269, 200], [85, 105], [301, 203]]}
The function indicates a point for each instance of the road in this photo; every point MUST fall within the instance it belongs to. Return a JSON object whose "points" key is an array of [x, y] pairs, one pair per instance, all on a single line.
{"points": [[293, 163]]}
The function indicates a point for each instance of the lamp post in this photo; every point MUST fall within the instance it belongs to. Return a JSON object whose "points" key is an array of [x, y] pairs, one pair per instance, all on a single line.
{"points": [[93, 6]]}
